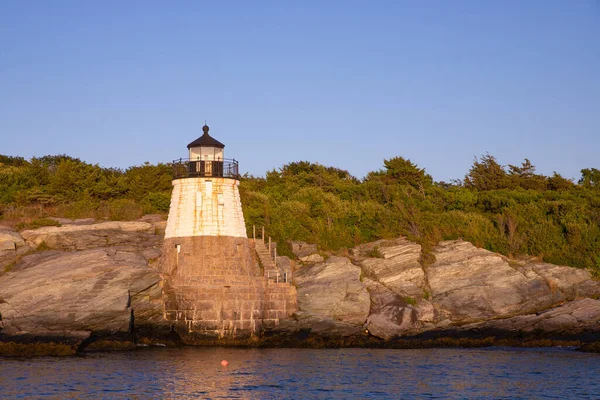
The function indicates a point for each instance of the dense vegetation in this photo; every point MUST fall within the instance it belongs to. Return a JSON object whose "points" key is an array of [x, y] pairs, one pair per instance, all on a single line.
{"points": [[511, 210]]}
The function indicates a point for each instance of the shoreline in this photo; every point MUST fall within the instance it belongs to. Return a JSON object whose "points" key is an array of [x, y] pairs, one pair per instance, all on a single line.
{"points": [[12, 349]]}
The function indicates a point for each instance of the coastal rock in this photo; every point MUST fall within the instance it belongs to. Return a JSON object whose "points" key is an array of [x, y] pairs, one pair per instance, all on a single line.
{"points": [[570, 283], [302, 249], [11, 246], [394, 264], [98, 279], [82, 237], [312, 258], [575, 319], [157, 221], [331, 298], [10, 240], [7, 243], [470, 284], [68, 295], [393, 315]]}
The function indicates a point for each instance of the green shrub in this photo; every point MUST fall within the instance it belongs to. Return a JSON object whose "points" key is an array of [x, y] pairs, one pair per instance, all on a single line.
{"points": [[124, 210], [37, 223]]}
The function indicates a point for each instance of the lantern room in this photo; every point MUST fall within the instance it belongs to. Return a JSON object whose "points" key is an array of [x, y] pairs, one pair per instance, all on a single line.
{"points": [[206, 148], [205, 159]]}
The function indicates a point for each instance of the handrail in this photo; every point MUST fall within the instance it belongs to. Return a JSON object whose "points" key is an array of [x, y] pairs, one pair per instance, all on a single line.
{"points": [[285, 276], [192, 168]]}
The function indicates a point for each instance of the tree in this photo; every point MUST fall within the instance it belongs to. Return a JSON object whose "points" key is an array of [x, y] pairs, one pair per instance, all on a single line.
{"points": [[558, 182], [590, 177], [12, 161], [487, 174], [402, 171], [526, 170], [525, 176]]}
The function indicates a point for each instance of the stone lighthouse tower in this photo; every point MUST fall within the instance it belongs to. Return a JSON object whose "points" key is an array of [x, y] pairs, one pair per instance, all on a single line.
{"points": [[205, 202], [214, 286]]}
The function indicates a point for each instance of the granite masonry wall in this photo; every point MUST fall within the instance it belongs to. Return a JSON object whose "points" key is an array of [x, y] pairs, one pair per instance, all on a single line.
{"points": [[214, 288]]}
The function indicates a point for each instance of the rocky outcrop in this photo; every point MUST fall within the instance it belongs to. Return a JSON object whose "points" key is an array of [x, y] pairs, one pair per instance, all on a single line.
{"points": [[100, 280], [10, 240], [398, 288], [12, 246], [393, 315], [332, 299], [575, 319], [470, 284], [465, 286], [82, 237], [394, 264], [70, 295], [306, 252], [302, 249]]}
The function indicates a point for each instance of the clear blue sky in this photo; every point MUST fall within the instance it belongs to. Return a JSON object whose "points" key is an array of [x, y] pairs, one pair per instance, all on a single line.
{"points": [[342, 83]]}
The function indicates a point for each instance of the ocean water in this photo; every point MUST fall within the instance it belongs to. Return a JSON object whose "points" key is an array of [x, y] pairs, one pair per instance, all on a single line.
{"points": [[490, 373]]}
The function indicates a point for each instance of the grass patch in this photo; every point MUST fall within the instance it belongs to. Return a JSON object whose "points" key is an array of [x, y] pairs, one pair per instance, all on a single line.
{"points": [[8, 267], [410, 300], [42, 247], [37, 223], [427, 294], [375, 252]]}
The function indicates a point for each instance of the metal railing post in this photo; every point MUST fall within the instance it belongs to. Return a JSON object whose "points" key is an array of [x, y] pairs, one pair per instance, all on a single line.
{"points": [[270, 254], [254, 232]]}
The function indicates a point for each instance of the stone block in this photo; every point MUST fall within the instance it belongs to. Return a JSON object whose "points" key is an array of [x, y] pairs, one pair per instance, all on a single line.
{"points": [[207, 315], [171, 315], [205, 305], [190, 315]]}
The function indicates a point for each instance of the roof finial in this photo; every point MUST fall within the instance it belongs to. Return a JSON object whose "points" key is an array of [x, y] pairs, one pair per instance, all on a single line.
{"points": [[205, 128]]}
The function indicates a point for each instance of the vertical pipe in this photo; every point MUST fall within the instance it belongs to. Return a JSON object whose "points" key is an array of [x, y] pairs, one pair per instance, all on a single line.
{"points": [[263, 234], [270, 254], [254, 232]]}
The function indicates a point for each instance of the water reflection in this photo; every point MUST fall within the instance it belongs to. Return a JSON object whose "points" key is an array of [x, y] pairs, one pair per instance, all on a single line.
{"points": [[302, 373]]}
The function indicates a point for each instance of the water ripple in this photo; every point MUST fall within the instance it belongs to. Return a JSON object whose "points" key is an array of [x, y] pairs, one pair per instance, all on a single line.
{"points": [[498, 373]]}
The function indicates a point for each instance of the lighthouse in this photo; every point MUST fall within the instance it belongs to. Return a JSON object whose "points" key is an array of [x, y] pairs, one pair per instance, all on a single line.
{"points": [[214, 286]]}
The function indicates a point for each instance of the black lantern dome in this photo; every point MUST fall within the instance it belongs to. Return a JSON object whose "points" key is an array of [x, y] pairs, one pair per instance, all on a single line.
{"points": [[206, 140]]}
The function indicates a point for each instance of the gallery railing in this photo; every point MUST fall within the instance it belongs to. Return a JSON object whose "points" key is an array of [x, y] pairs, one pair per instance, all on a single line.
{"points": [[190, 168]]}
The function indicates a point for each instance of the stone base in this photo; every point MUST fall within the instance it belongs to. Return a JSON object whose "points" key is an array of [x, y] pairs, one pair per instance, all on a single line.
{"points": [[214, 288]]}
